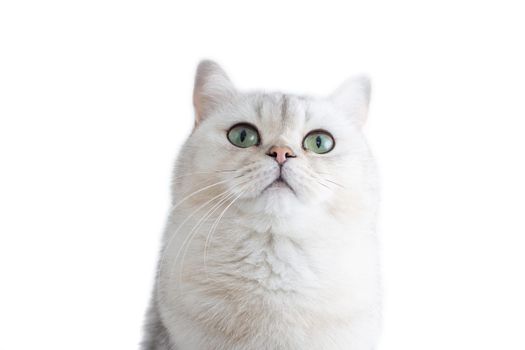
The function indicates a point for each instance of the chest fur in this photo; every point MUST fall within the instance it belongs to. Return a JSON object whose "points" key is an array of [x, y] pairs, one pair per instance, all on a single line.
{"points": [[250, 283]]}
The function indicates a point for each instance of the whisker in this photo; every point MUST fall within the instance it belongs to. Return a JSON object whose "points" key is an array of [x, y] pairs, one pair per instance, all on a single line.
{"points": [[167, 245], [174, 234], [214, 227], [326, 179], [203, 172], [186, 244], [203, 218], [335, 183], [197, 192], [314, 176], [322, 184], [221, 199]]}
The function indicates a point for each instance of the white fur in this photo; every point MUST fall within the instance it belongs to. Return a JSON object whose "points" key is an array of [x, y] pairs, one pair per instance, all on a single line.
{"points": [[283, 269]]}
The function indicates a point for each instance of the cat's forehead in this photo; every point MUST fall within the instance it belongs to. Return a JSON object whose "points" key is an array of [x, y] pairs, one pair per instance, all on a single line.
{"points": [[285, 109], [290, 112]]}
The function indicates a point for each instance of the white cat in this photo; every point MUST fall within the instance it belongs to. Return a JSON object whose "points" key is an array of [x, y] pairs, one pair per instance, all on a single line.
{"points": [[270, 242]]}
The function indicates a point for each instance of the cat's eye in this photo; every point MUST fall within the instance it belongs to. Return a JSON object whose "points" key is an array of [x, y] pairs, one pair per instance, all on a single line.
{"points": [[243, 135], [319, 141]]}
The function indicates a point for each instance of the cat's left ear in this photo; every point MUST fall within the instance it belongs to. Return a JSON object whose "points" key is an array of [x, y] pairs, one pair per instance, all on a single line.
{"points": [[212, 88], [353, 98]]}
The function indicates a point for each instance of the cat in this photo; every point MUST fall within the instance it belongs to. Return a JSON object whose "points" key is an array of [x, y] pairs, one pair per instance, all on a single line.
{"points": [[270, 241]]}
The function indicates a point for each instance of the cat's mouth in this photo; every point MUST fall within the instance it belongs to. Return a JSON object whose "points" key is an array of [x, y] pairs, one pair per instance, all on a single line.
{"points": [[279, 183]]}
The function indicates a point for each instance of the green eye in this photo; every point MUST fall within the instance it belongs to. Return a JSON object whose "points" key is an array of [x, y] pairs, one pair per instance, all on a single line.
{"points": [[243, 135], [319, 141]]}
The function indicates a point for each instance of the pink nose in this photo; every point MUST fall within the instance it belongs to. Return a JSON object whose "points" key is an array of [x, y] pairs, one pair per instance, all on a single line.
{"points": [[280, 153]]}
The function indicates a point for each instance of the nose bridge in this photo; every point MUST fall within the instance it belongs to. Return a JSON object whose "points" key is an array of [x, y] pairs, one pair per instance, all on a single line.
{"points": [[283, 139]]}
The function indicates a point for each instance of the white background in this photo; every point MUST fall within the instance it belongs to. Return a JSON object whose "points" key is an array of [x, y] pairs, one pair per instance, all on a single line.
{"points": [[95, 100]]}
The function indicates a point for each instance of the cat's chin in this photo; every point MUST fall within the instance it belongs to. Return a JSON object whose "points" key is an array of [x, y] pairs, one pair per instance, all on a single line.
{"points": [[278, 199]]}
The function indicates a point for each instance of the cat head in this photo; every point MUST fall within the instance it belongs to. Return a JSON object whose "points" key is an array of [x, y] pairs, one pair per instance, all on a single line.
{"points": [[275, 152]]}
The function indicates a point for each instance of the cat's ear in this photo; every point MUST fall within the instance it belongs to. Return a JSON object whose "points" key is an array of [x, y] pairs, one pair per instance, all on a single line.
{"points": [[353, 98], [212, 88]]}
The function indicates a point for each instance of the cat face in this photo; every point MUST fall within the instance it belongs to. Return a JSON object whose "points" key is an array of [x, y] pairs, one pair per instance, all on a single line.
{"points": [[274, 152]]}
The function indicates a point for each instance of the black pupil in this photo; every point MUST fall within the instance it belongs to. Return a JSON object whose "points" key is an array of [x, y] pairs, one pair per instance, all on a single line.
{"points": [[243, 135], [318, 141]]}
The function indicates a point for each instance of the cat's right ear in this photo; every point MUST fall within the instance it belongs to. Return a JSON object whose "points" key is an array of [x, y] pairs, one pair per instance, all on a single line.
{"points": [[353, 98], [212, 88]]}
